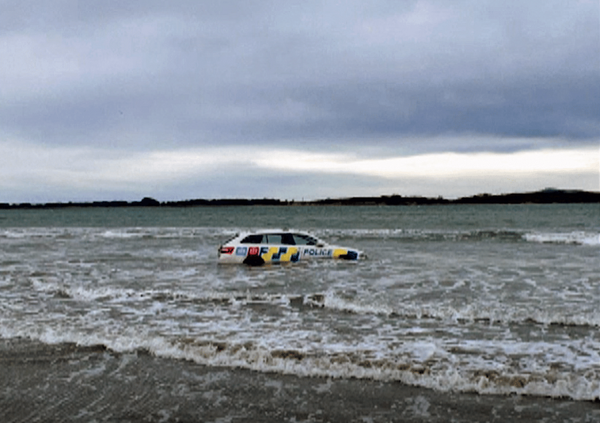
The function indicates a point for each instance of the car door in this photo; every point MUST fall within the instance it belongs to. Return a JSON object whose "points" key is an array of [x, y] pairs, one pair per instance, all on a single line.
{"points": [[312, 248], [280, 247]]}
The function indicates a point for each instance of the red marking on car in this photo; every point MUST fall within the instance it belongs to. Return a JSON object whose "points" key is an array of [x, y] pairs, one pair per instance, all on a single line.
{"points": [[227, 250]]}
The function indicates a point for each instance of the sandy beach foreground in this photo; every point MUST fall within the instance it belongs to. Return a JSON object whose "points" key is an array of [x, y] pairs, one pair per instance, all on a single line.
{"points": [[48, 383]]}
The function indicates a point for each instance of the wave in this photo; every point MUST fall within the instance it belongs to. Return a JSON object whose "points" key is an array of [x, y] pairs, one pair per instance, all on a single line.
{"points": [[165, 232], [565, 369], [218, 234], [425, 235], [578, 238], [503, 235], [421, 363], [115, 233], [427, 366], [498, 314], [471, 313], [81, 293]]}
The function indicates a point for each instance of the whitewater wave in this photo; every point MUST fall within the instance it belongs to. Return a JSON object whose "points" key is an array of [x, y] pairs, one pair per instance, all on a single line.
{"points": [[504, 235], [421, 363], [578, 238], [474, 312], [218, 234], [470, 313]]}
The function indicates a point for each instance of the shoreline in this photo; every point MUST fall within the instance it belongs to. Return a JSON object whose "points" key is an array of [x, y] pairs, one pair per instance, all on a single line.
{"points": [[66, 382], [547, 196]]}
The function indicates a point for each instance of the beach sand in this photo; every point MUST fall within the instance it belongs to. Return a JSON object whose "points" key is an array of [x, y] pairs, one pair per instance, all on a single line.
{"points": [[56, 383]]}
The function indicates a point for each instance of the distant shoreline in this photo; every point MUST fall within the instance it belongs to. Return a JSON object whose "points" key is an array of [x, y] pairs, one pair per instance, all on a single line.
{"points": [[547, 196]]}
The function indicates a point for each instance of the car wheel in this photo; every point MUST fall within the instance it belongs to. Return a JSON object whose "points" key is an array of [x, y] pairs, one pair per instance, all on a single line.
{"points": [[254, 261]]}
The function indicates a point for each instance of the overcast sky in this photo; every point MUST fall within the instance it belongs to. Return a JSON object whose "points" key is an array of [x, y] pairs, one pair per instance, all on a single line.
{"points": [[118, 100]]}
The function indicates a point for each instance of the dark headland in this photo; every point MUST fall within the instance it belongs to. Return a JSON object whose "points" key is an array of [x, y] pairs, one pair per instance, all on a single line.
{"points": [[546, 196]]}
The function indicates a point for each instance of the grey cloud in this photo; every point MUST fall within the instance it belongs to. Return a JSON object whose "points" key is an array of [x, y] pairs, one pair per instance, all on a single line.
{"points": [[141, 74]]}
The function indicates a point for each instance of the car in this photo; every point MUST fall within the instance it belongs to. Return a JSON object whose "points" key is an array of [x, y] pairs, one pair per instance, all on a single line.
{"points": [[278, 246]]}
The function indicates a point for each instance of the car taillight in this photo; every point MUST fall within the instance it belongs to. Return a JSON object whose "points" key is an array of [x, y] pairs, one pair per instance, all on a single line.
{"points": [[227, 250]]}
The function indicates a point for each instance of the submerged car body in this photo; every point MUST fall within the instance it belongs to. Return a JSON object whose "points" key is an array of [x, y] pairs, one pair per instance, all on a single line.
{"points": [[257, 248]]}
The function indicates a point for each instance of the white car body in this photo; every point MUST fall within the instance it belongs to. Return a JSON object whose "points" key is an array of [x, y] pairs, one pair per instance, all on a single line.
{"points": [[257, 248]]}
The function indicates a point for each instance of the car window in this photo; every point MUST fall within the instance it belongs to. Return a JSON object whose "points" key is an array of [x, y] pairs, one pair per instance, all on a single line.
{"points": [[304, 240], [273, 238], [253, 239], [287, 239]]}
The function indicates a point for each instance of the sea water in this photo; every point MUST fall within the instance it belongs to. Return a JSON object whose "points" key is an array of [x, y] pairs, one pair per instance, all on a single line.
{"points": [[498, 299]]}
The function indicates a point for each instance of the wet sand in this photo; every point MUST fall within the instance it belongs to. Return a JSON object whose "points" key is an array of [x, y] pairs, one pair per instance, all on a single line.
{"points": [[57, 383]]}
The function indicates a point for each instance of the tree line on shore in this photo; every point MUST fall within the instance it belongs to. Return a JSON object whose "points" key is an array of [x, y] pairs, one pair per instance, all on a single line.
{"points": [[547, 196]]}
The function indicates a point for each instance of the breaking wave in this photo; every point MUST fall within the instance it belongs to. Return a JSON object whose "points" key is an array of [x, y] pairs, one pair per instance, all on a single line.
{"points": [[217, 235], [577, 238], [420, 363], [503, 235], [470, 313]]}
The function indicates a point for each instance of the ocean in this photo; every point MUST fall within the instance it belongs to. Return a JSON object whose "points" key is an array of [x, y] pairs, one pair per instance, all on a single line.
{"points": [[475, 302]]}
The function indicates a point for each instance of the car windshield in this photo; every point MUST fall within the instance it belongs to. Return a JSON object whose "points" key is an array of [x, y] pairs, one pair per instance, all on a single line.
{"points": [[253, 239], [301, 239], [231, 238]]}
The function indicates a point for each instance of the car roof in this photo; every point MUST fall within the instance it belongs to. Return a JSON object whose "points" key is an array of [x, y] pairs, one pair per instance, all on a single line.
{"points": [[275, 231]]}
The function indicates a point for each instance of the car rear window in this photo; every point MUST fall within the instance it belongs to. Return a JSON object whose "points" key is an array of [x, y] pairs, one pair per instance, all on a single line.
{"points": [[304, 240]]}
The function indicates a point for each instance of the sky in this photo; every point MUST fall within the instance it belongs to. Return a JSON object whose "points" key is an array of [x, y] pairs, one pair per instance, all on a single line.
{"points": [[296, 99]]}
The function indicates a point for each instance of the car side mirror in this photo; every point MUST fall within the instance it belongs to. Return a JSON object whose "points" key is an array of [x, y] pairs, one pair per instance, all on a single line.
{"points": [[320, 245]]}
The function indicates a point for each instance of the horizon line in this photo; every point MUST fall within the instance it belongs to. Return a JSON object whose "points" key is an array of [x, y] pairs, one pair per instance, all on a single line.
{"points": [[392, 199]]}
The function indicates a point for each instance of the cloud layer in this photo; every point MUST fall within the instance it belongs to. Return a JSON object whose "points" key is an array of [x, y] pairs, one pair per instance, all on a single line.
{"points": [[166, 88]]}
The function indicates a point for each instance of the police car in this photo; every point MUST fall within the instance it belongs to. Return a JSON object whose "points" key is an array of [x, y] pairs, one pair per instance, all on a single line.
{"points": [[257, 248]]}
